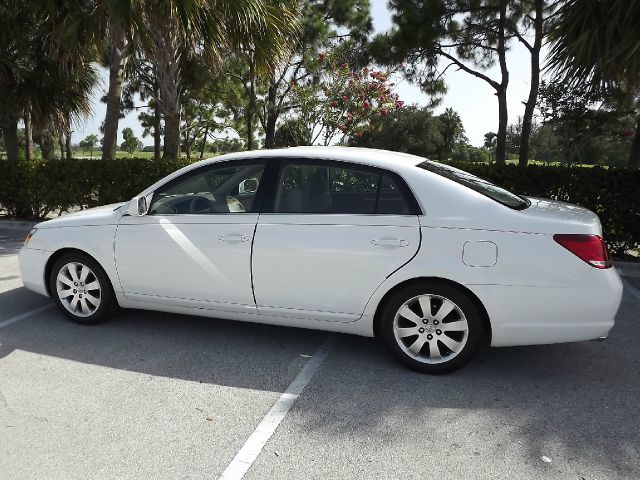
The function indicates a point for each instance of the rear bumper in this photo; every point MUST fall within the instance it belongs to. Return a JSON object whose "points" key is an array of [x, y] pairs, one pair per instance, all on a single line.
{"points": [[524, 315], [32, 265]]}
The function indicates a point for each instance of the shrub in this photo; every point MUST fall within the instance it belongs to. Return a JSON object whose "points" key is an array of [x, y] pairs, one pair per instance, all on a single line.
{"points": [[34, 189]]}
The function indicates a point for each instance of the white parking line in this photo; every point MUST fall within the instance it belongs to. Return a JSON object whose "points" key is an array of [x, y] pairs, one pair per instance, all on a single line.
{"points": [[633, 290], [251, 449], [22, 316]]}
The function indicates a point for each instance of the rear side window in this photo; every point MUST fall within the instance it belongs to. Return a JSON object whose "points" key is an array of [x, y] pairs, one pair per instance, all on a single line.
{"points": [[391, 199], [478, 184], [312, 188]]}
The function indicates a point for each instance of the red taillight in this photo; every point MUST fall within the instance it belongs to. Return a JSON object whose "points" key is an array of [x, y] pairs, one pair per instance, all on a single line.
{"points": [[590, 248]]}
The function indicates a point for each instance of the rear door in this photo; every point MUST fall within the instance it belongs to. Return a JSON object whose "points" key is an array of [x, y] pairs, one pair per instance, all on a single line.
{"points": [[332, 233]]}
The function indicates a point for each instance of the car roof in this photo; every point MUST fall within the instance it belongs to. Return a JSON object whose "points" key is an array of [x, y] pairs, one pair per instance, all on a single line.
{"points": [[366, 156]]}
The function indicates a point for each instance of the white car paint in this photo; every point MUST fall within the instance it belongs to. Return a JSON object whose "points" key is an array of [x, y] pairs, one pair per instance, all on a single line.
{"points": [[331, 272], [183, 259], [294, 253]]}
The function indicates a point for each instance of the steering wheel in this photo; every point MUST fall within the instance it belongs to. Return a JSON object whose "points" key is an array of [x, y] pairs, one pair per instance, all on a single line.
{"points": [[199, 204]]}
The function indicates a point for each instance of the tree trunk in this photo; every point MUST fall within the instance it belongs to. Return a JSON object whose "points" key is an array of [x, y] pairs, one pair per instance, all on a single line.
{"points": [[187, 142], [67, 145], [204, 142], [47, 145], [166, 56], [28, 133], [118, 47], [11, 145], [172, 134], [503, 115], [251, 106], [249, 126], [157, 150], [527, 120], [634, 157], [61, 145], [272, 116], [501, 138]]}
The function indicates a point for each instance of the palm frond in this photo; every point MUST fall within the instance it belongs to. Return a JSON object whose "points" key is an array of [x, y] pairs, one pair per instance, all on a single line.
{"points": [[596, 42]]}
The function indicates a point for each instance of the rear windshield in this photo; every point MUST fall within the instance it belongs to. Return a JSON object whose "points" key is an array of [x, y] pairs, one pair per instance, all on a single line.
{"points": [[492, 191]]}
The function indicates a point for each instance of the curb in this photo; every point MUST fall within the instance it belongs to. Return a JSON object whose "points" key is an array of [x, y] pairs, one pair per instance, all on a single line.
{"points": [[20, 225]]}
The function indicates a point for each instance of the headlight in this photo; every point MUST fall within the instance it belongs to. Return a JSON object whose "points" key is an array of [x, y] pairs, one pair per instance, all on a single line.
{"points": [[30, 235]]}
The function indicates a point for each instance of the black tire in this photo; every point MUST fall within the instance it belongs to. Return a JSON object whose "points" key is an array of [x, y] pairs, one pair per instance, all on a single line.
{"points": [[474, 331], [105, 294]]}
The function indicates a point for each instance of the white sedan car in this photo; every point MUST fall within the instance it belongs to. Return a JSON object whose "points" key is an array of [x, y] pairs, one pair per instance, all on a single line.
{"points": [[432, 260]]}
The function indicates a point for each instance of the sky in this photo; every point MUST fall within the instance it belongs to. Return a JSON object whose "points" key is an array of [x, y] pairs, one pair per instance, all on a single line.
{"points": [[472, 98]]}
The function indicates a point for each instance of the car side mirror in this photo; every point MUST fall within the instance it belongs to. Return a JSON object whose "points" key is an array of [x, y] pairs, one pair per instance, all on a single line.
{"points": [[137, 206], [250, 185]]}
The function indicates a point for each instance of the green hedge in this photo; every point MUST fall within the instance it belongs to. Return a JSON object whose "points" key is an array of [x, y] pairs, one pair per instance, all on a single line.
{"points": [[37, 188]]}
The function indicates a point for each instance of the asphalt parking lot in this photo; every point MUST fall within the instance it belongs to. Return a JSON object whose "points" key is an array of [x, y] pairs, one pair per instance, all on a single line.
{"points": [[158, 396]]}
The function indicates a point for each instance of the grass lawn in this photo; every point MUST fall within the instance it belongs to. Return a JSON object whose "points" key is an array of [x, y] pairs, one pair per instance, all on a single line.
{"points": [[554, 164], [119, 154]]}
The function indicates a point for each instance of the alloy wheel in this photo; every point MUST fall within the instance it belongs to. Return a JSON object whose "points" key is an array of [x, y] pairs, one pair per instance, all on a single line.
{"points": [[78, 289], [431, 328]]}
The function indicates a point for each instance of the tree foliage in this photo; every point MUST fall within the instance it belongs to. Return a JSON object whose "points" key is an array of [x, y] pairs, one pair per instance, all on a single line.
{"points": [[339, 101], [471, 35], [595, 45], [89, 143], [130, 143], [416, 130]]}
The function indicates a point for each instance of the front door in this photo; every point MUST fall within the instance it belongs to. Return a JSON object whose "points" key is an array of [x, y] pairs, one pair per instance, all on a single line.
{"points": [[336, 231], [193, 248]]}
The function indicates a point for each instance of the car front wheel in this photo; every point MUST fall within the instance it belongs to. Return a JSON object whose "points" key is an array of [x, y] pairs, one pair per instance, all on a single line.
{"points": [[432, 327], [81, 289]]}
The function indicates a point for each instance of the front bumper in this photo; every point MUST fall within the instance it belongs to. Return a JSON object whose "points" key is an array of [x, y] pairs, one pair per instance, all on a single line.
{"points": [[32, 269]]}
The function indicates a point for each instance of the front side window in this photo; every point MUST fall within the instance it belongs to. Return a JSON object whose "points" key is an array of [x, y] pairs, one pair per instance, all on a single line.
{"points": [[313, 188], [478, 184], [214, 189]]}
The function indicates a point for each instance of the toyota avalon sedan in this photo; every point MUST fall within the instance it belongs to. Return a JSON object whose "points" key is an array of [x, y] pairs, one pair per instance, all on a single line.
{"points": [[430, 259]]}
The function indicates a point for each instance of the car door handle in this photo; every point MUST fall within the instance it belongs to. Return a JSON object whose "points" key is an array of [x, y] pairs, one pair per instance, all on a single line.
{"points": [[389, 242], [233, 238]]}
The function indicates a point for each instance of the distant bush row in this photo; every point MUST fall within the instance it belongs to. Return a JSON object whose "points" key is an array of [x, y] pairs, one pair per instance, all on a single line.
{"points": [[36, 189]]}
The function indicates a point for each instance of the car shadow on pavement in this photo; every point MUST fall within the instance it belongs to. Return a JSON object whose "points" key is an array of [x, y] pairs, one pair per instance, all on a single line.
{"points": [[575, 399], [191, 348], [567, 401]]}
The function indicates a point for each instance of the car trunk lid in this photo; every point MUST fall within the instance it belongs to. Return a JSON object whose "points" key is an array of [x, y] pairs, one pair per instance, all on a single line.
{"points": [[553, 216]]}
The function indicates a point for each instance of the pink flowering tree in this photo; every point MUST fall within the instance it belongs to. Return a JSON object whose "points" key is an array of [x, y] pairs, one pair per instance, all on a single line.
{"points": [[338, 101]]}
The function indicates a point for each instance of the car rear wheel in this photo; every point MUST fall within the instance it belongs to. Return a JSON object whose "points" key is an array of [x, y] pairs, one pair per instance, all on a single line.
{"points": [[81, 289], [431, 327]]}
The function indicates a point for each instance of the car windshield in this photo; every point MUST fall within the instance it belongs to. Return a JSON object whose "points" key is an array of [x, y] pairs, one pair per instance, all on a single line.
{"points": [[484, 187]]}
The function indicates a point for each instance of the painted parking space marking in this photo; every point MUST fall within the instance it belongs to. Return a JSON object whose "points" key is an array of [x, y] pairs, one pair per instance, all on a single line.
{"points": [[25, 315], [251, 449]]}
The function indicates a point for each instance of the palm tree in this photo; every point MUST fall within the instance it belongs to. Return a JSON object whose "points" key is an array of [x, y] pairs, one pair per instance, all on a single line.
{"points": [[120, 21], [44, 84], [597, 43], [214, 29]]}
